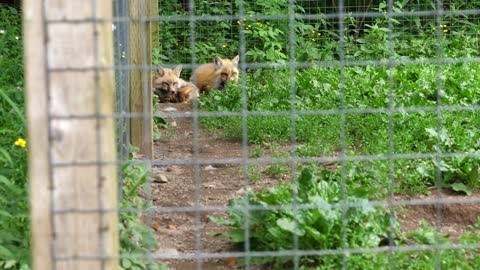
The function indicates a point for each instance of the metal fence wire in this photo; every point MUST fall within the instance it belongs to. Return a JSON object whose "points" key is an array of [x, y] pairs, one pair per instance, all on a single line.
{"points": [[350, 140]]}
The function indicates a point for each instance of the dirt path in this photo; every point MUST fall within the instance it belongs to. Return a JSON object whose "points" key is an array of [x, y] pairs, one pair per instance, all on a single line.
{"points": [[218, 183], [185, 232]]}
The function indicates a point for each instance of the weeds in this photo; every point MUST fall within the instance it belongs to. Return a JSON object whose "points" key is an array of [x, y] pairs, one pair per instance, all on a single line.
{"points": [[365, 133], [423, 122], [14, 218], [321, 228], [135, 236], [317, 228]]}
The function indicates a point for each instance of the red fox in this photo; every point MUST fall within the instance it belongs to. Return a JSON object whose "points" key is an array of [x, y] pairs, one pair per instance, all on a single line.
{"points": [[169, 87], [215, 74]]}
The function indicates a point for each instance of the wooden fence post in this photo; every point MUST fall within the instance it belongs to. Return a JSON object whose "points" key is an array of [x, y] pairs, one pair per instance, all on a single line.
{"points": [[141, 129], [155, 26], [37, 112], [71, 173]]}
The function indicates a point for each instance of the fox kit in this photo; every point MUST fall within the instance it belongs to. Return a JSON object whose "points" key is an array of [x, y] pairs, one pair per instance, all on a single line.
{"points": [[169, 87], [216, 74]]}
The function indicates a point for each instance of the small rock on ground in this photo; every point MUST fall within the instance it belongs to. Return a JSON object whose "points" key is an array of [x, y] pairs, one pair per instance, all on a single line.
{"points": [[160, 179]]}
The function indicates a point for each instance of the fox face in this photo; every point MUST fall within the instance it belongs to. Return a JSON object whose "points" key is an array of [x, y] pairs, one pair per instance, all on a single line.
{"points": [[216, 74], [166, 81], [226, 70], [169, 87]]}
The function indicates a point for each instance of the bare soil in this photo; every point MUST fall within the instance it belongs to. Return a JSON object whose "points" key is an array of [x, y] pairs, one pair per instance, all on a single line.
{"points": [[186, 232], [453, 219]]}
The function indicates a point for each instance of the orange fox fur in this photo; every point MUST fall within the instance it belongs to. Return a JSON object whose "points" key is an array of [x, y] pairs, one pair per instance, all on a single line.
{"points": [[169, 87], [216, 74]]}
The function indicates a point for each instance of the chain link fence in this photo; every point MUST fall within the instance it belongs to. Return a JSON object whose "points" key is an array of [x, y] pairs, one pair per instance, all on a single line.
{"points": [[350, 140]]}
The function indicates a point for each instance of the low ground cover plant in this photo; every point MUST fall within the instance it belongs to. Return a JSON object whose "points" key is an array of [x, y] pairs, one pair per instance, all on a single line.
{"points": [[14, 221]]}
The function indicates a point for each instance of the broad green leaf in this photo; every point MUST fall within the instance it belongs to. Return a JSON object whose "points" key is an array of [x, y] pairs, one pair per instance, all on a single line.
{"points": [[289, 225], [221, 221], [315, 234], [305, 178], [236, 235], [126, 263], [461, 187], [4, 252], [5, 214], [286, 224], [432, 132], [276, 232], [10, 264]]}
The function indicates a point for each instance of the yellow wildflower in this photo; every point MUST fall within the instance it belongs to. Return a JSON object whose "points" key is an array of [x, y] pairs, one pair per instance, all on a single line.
{"points": [[21, 142], [313, 39], [445, 30], [224, 45]]}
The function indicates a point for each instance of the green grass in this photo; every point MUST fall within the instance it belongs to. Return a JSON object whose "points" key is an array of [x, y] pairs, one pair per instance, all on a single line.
{"points": [[14, 219], [321, 228], [377, 134], [366, 129], [365, 133], [136, 238]]}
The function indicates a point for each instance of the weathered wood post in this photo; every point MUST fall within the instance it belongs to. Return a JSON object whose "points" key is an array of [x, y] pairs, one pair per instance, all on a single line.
{"points": [[72, 153], [141, 129]]}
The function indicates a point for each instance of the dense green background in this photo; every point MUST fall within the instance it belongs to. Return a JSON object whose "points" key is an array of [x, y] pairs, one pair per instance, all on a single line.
{"points": [[414, 82]]}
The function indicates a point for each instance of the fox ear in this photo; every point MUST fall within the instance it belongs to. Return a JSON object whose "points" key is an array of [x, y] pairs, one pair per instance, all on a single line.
{"points": [[177, 70], [160, 71], [217, 62], [235, 60]]}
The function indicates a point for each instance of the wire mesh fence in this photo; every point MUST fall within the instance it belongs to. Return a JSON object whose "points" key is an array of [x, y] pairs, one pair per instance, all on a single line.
{"points": [[349, 141]]}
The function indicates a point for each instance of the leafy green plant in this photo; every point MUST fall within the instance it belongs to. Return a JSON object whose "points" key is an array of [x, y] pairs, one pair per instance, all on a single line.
{"points": [[365, 87], [276, 170], [460, 173], [326, 90], [266, 40], [317, 228], [253, 171], [159, 122], [450, 258], [257, 152], [135, 237], [14, 219], [320, 228]]}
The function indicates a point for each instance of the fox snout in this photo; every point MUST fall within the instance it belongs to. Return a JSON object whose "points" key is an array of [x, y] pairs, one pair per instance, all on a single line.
{"points": [[164, 92]]}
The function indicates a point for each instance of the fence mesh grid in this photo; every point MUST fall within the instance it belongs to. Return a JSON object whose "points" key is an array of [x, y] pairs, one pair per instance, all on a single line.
{"points": [[321, 47]]}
